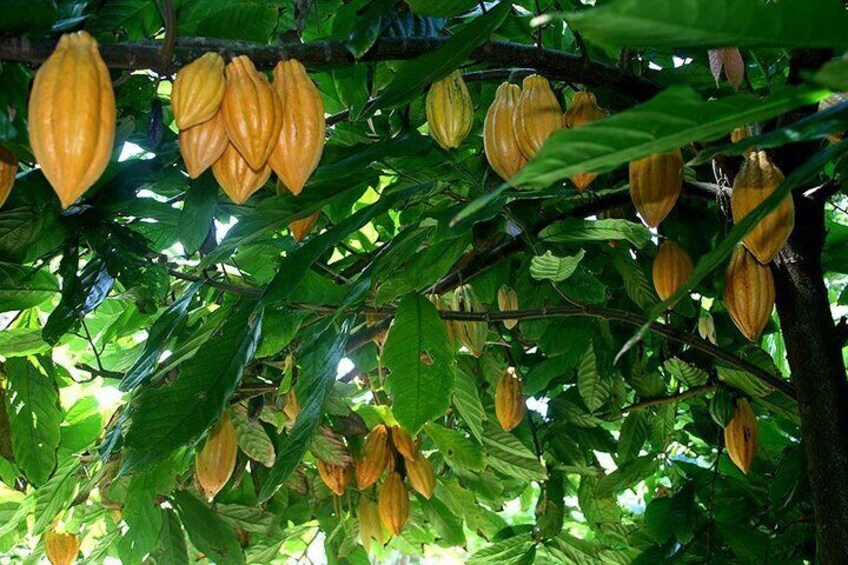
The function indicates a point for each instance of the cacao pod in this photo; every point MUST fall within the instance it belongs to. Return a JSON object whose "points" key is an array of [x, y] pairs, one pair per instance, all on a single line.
{"points": [[740, 436], [252, 112], [722, 406], [72, 116], [238, 179], [755, 182], [740, 134], [507, 301], [299, 228], [672, 266], [198, 91], [499, 143], [748, 293], [419, 471], [450, 112], [61, 548], [335, 477], [833, 100], [706, 327], [371, 319], [370, 525], [393, 504], [214, 464], [301, 140], [202, 145], [8, 170], [291, 408], [403, 442], [584, 110], [655, 185], [509, 399], [537, 115], [470, 334], [376, 456]]}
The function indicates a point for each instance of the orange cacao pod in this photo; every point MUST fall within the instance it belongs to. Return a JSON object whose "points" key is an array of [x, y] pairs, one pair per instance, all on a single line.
{"points": [[61, 548], [584, 110], [198, 90], [509, 399], [301, 140], [755, 182], [335, 477], [72, 116], [748, 293], [370, 525], [499, 143], [376, 456], [740, 436], [403, 442], [393, 504], [470, 334], [203, 144], [252, 112], [214, 464], [655, 185], [419, 471], [8, 170], [299, 228], [507, 301], [238, 179], [537, 115], [450, 112], [672, 266]]}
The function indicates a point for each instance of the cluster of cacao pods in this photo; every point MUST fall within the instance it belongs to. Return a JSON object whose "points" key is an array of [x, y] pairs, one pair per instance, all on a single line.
{"points": [[214, 463], [62, 548], [672, 266], [509, 399], [471, 335], [740, 436]]}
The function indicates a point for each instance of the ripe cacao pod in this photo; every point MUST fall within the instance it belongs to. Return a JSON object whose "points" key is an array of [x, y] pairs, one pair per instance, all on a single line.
{"points": [[403, 442], [252, 112], [748, 293], [509, 399], [238, 179], [393, 504], [508, 301], [301, 139], [833, 100], [449, 110], [370, 525], [335, 477], [584, 110], [61, 548], [203, 144], [740, 436], [376, 456], [655, 185], [299, 228], [755, 182], [537, 115], [672, 266], [198, 91], [8, 170], [72, 116], [419, 471], [499, 143], [214, 464], [470, 334]]}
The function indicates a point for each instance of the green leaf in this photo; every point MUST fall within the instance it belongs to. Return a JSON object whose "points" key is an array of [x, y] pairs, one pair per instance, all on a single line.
{"points": [[244, 20], [56, 495], [626, 476], [554, 269], [171, 548], [197, 213], [833, 75], [19, 342], [28, 16], [550, 509], [506, 454], [460, 452], [467, 402], [517, 550], [575, 230], [142, 515], [566, 548], [441, 7], [688, 374], [248, 518], [206, 530], [634, 433], [594, 387], [368, 25], [24, 287], [80, 295], [447, 524], [253, 440]]}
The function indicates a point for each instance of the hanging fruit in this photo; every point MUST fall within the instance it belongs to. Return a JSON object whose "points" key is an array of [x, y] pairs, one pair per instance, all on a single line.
{"points": [[335, 477], [584, 110], [370, 525], [748, 293], [8, 170], [419, 471], [672, 266], [393, 504], [403, 442], [509, 400], [299, 228], [238, 179], [376, 456], [202, 145], [198, 91], [450, 112], [470, 334], [757, 180], [61, 548], [214, 464], [537, 115], [508, 301], [499, 143], [72, 116], [740, 436], [655, 185]]}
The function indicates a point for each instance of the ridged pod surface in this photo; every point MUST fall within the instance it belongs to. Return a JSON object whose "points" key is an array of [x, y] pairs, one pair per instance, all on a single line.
{"points": [[72, 116], [537, 115], [252, 112], [403, 442], [238, 179], [755, 182], [508, 301], [748, 293], [740, 436], [672, 266], [470, 334], [334, 476], [655, 185], [419, 471], [370, 525], [198, 90], [499, 145], [61, 548], [214, 464], [202, 145], [393, 504], [300, 143], [375, 457], [450, 112], [509, 400], [584, 110], [300, 228], [8, 170]]}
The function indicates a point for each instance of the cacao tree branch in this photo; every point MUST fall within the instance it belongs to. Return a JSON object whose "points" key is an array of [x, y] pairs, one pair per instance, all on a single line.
{"points": [[695, 391]]}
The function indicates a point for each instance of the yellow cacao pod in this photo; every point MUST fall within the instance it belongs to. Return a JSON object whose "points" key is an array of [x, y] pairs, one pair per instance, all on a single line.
{"points": [[61, 548], [300, 228], [214, 464], [740, 436], [403, 442], [537, 115], [376, 456], [748, 293], [335, 477], [252, 112], [370, 525], [672, 266], [72, 116], [8, 170], [238, 179], [508, 301], [584, 110], [499, 143], [291, 408], [203, 144], [393, 504], [509, 399], [755, 182], [833, 100], [419, 471], [450, 112], [301, 140], [655, 185], [470, 334], [198, 91]]}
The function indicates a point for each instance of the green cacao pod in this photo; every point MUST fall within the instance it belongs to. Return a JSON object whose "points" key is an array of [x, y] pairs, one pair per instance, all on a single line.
{"points": [[722, 406], [470, 334]]}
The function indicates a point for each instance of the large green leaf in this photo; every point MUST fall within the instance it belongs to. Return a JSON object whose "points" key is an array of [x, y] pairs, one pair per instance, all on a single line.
{"points": [[18, 342], [441, 7], [56, 495], [80, 295], [461, 453], [207, 531], [467, 402], [518, 550], [24, 287], [507, 455]]}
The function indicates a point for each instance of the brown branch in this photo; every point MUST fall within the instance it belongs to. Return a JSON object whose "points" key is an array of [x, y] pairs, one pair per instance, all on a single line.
{"points": [[695, 391], [169, 17]]}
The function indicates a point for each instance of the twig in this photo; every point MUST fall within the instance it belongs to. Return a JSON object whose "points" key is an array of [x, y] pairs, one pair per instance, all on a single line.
{"points": [[91, 342], [695, 391], [168, 15]]}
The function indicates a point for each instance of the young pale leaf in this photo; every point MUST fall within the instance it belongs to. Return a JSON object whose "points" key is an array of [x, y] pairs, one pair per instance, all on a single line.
{"points": [[20, 342], [554, 269], [575, 230]]}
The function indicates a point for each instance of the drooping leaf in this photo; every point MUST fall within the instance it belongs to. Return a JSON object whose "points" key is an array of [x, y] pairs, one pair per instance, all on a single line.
{"points": [[206, 530]]}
